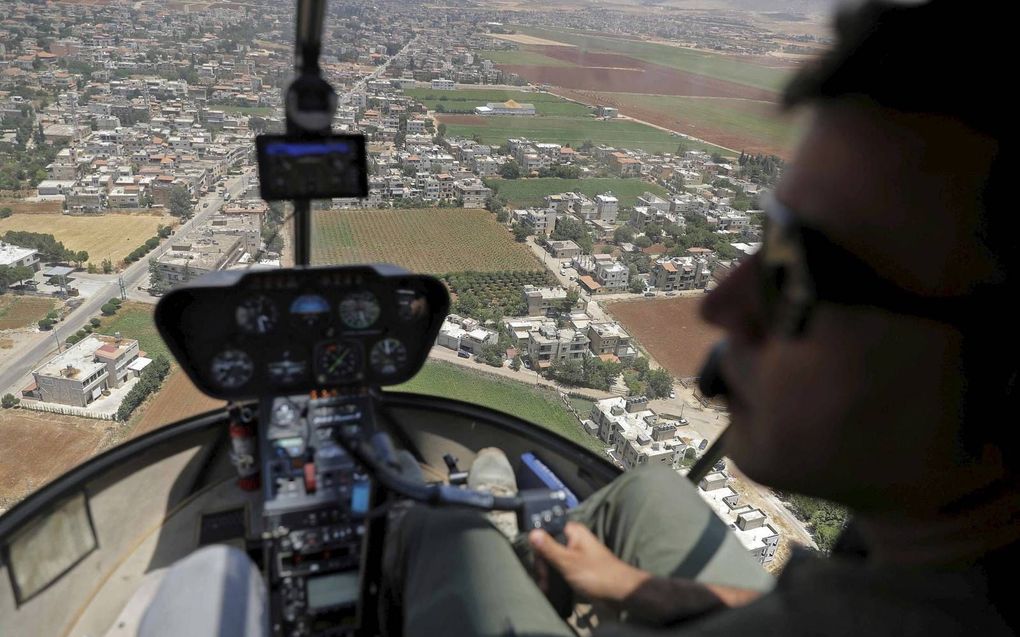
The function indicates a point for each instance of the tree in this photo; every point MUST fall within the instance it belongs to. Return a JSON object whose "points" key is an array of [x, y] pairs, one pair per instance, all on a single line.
{"points": [[660, 383], [491, 355], [108, 309], [510, 170], [502, 216], [515, 364], [636, 285], [9, 401], [45, 324], [521, 232], [80, 257], [180, 201], [441, 130], [643, 242], [5, 212], [623, 234], [573, 295], [95, 322], [157, 284], [107, 266], [568, 372]]}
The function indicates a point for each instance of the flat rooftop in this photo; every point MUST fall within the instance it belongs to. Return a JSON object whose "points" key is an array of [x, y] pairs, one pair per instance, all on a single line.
{"points": [[76, 362]]}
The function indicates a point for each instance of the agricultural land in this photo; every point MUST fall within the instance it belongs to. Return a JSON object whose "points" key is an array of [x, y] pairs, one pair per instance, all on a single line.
{"points": [[22, 311], [430, 240], [571, 130], [726, 100], [521, 193], [111, 236], [540, 406], [670, 330]]}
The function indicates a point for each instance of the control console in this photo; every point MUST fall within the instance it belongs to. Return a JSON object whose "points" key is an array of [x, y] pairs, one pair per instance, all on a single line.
{"points": [[315, 499]]}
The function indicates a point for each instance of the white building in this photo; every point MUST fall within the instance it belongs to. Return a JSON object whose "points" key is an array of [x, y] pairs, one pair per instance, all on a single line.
{"points": [[12, 256], [607, 207], [441, 84], [748, 524]]}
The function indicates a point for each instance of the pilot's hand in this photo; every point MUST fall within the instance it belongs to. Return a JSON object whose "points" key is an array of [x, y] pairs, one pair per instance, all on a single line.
{"points": [[586, 564]]}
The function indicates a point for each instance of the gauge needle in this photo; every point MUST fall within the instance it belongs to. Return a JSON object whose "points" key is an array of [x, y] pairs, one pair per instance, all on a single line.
{"points": [[332, 367]]}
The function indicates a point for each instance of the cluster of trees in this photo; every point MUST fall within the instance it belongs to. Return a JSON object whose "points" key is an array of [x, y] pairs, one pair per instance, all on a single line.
{"points": [[5, 212], [180, 202], [560, 170], [591, 372], [106, 265], [641, 380], [9, 401], [24, 167], [10, 275], [761, 169], [510, 170], [492, 295], [827, 520], [149, 382], [271, 227], [138, 253], [51, 318], [110, 307], [92, 326], [49, 248], [574, 230]]}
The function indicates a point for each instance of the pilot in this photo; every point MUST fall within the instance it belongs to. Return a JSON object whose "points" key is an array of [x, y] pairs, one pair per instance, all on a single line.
{"points": [[872, 362]]}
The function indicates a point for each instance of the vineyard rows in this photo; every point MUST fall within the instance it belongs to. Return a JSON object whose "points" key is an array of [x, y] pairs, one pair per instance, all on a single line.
{"points": [[428, 240]]}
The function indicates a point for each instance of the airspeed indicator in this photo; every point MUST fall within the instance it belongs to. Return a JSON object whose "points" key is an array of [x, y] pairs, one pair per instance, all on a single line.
{"points": [[388, 356]]}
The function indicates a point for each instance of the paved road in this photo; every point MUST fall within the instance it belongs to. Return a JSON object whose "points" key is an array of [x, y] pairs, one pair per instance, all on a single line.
{"points": [[357, 86], [16, 372]]}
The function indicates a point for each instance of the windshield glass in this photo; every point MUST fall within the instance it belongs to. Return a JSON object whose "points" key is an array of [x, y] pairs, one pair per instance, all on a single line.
{"points": [[578, 178]]}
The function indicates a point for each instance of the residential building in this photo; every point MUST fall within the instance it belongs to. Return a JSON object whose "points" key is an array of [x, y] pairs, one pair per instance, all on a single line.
{"points": [[79, 375], [544, 301], [613, 276], [566, 249], [548, 344], [607, 207], [749, 524], [441, 84], [472, 193], [609, 339], [459, 333], [681, 273], [12, 256]]}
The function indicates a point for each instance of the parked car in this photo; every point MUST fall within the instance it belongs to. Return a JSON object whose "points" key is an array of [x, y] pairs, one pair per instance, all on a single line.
{"points": [[672, 393], [649, 293], [670, 293], [463, 354]]}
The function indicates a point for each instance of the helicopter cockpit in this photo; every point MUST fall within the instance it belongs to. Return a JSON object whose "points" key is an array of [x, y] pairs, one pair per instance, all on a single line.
{"points": [[298, 470]]}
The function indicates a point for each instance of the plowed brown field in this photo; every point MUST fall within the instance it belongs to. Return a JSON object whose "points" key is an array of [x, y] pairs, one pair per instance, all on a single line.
{"points": [[614, 73], [671, 331], [178, 399]]}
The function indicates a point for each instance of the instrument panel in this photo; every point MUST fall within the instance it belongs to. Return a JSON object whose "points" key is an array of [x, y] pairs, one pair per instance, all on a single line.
{"points": [[242, 335]]}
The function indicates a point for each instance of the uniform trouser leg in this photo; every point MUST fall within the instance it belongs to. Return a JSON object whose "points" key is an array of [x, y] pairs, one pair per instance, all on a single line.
{"points": [[461, 576]]}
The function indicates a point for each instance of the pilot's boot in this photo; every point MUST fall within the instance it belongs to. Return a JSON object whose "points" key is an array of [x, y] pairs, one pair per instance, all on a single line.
{"points": [[491, 472]]}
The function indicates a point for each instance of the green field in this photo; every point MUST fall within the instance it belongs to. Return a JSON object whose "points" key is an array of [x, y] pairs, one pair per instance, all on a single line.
{"points": [[134, 320], [521, 56], [428, 240], [530, 192], [572, 130], [758, 123], [540, 406], [465, 101], [700, 62]]}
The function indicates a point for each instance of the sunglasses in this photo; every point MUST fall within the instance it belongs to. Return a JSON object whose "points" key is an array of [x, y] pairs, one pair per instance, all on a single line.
{"points": [[800, 268]]}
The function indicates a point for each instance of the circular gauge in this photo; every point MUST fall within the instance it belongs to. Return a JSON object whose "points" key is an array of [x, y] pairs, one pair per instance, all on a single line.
{"points": [[337, 362], [308, 309], [232, 368], [388, 356], [285, 414], [359, 310], [411, 305], [256, 315]]}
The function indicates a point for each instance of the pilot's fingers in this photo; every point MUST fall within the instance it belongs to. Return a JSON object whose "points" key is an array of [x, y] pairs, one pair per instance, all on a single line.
{"points": [[548, 548], [578, 535]]}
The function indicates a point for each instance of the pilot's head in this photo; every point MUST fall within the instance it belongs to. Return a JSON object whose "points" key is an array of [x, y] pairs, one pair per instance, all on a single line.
{"points": [[847, 380]]}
